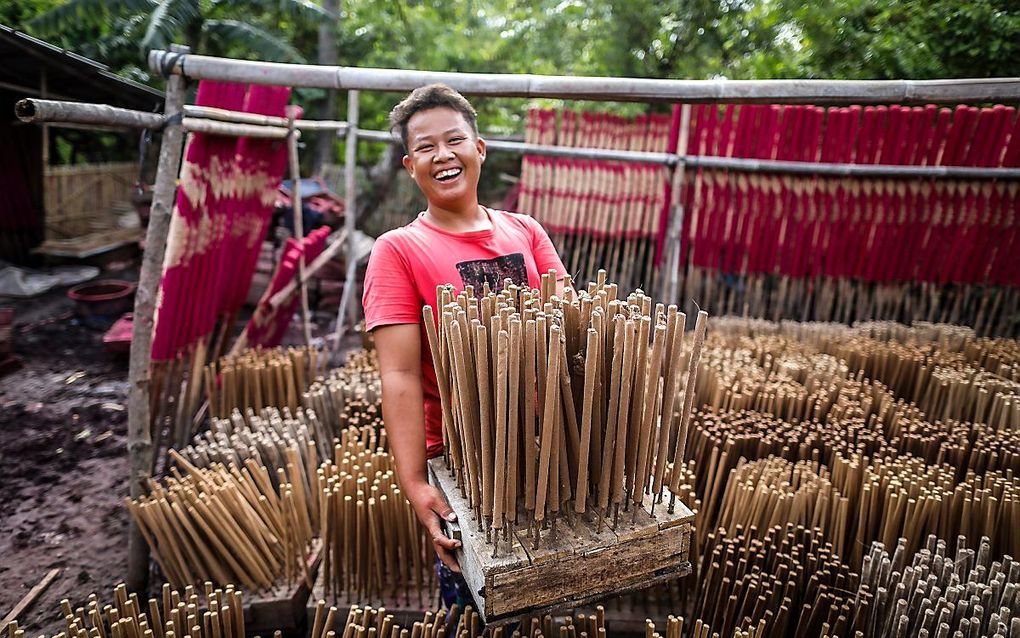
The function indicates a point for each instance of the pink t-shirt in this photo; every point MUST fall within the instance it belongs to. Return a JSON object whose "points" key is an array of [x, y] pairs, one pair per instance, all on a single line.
{"points": [[409, 262]]}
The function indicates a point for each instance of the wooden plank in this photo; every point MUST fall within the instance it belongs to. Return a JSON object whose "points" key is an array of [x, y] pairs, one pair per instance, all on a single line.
{"points": [[283, 606], [474, 555], [579, 563], [30, 597], [588, 574]]}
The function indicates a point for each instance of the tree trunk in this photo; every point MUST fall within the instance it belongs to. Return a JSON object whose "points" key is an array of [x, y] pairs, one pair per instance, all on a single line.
{"points": [[325, 142]]}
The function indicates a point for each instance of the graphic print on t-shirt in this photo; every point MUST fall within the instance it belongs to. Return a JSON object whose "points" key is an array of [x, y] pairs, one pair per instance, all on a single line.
{"points": [[479, 271]]}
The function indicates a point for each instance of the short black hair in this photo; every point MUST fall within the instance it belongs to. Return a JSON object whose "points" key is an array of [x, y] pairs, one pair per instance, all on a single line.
{"points": [[430, 97]]}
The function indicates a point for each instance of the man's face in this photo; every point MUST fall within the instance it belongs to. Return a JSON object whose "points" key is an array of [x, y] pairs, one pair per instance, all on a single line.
{"points": [[444, 156]]}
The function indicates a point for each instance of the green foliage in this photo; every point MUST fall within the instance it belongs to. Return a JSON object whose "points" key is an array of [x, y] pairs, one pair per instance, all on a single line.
{"points": [[919, 39], [633, 38]]}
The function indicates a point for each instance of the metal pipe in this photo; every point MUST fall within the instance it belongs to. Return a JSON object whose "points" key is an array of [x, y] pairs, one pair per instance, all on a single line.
{"points": [[201, 67], [738, 164]]}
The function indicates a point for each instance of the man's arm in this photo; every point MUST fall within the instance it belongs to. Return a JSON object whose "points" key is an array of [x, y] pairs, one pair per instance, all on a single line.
{"points": [[399, 348]]}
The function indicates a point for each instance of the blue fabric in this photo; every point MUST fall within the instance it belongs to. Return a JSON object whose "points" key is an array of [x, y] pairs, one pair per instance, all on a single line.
{"points": [[453, 589]]}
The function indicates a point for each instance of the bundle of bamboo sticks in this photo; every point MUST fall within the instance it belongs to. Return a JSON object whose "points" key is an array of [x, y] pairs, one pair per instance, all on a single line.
{"points": [[349, 396], [230, 524], [373, 546], [930, 593], [785, 581], [258, 378], [270, 439], [179, 613], [553, 405], [808, 246], [598, 212]]}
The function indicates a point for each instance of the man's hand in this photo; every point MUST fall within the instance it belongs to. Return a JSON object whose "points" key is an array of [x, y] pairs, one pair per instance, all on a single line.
{"points": [[430, 506]]}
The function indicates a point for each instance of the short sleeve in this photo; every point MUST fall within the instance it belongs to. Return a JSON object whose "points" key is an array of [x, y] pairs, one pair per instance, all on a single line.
{"points": [[390, 295], [542, 248]]}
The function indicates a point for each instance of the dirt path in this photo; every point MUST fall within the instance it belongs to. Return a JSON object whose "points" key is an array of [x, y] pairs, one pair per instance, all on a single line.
{"points": [[63, 465]]}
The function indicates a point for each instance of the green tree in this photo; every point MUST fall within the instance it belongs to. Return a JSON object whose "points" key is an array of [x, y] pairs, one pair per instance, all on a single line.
{"points": [[118, 33], [892, 39]]}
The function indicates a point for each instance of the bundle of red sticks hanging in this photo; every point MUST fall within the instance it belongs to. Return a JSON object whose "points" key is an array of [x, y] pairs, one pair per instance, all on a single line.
{"points": [[804, 246], [224, 205], [270, 320], [600, 214]]}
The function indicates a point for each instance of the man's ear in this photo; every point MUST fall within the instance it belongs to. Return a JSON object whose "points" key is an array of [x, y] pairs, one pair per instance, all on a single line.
{"points": [[407, 164], [480, 145]]}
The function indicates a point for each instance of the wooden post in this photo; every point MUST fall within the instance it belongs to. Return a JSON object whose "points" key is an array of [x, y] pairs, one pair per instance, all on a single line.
{"points": [[299, 221], [675, 223], [350, 214], [139, 434]]}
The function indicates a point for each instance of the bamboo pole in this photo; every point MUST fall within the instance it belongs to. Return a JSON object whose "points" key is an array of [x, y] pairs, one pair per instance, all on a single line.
{"points": [[139, 434], [617, 89], [299, 224]]}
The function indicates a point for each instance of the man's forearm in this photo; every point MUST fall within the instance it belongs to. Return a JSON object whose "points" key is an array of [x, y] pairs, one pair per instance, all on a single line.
{"points": [[404, 415]]}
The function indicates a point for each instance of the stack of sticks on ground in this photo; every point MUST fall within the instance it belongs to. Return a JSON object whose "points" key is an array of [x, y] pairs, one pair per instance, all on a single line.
{"points": [[932, 594], [259, 378], [861, 500], [349, 396], [269, 438], [366, 622], [553, 405], [180, 613], [373, 548], [224, 524]]}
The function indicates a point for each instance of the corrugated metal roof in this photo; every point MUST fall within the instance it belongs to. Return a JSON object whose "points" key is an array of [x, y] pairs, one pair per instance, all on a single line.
{"points": [[68, 75]]}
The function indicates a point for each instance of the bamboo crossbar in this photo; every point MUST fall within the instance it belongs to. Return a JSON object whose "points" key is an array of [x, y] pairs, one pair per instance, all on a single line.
{"points": [[201, 67], [222, 122]]}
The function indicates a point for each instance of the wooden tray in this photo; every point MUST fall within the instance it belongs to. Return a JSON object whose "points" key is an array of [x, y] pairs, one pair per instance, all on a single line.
{"points": [[579, 566], [283, 605]]}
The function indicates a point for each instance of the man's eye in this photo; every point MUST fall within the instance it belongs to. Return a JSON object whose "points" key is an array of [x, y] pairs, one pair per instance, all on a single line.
{"points": [[454, 140], [427, 147]]}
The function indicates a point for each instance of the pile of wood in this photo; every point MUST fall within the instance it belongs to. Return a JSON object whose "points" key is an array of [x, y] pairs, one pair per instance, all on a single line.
{"points": [[561, 406]]}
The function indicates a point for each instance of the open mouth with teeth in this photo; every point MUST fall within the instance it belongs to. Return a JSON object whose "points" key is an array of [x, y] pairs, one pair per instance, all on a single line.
{"points": [[448, 175]]}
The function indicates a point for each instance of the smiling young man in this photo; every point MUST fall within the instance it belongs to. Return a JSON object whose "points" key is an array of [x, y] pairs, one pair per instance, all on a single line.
{"points": [[453, 241]]}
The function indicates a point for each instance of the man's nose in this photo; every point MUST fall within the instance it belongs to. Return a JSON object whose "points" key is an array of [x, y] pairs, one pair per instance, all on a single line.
{"points": [[443, 153]]}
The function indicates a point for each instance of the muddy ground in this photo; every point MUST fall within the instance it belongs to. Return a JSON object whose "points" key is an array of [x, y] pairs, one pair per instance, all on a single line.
{"points": [[63, 463]]}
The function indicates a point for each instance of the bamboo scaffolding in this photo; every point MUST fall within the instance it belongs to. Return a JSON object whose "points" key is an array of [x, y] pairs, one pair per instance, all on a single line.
{"points": [[602, 88]]}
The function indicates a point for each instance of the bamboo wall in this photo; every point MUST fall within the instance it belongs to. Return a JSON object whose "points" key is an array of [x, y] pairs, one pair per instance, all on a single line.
{"points": [[83, 198]]}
